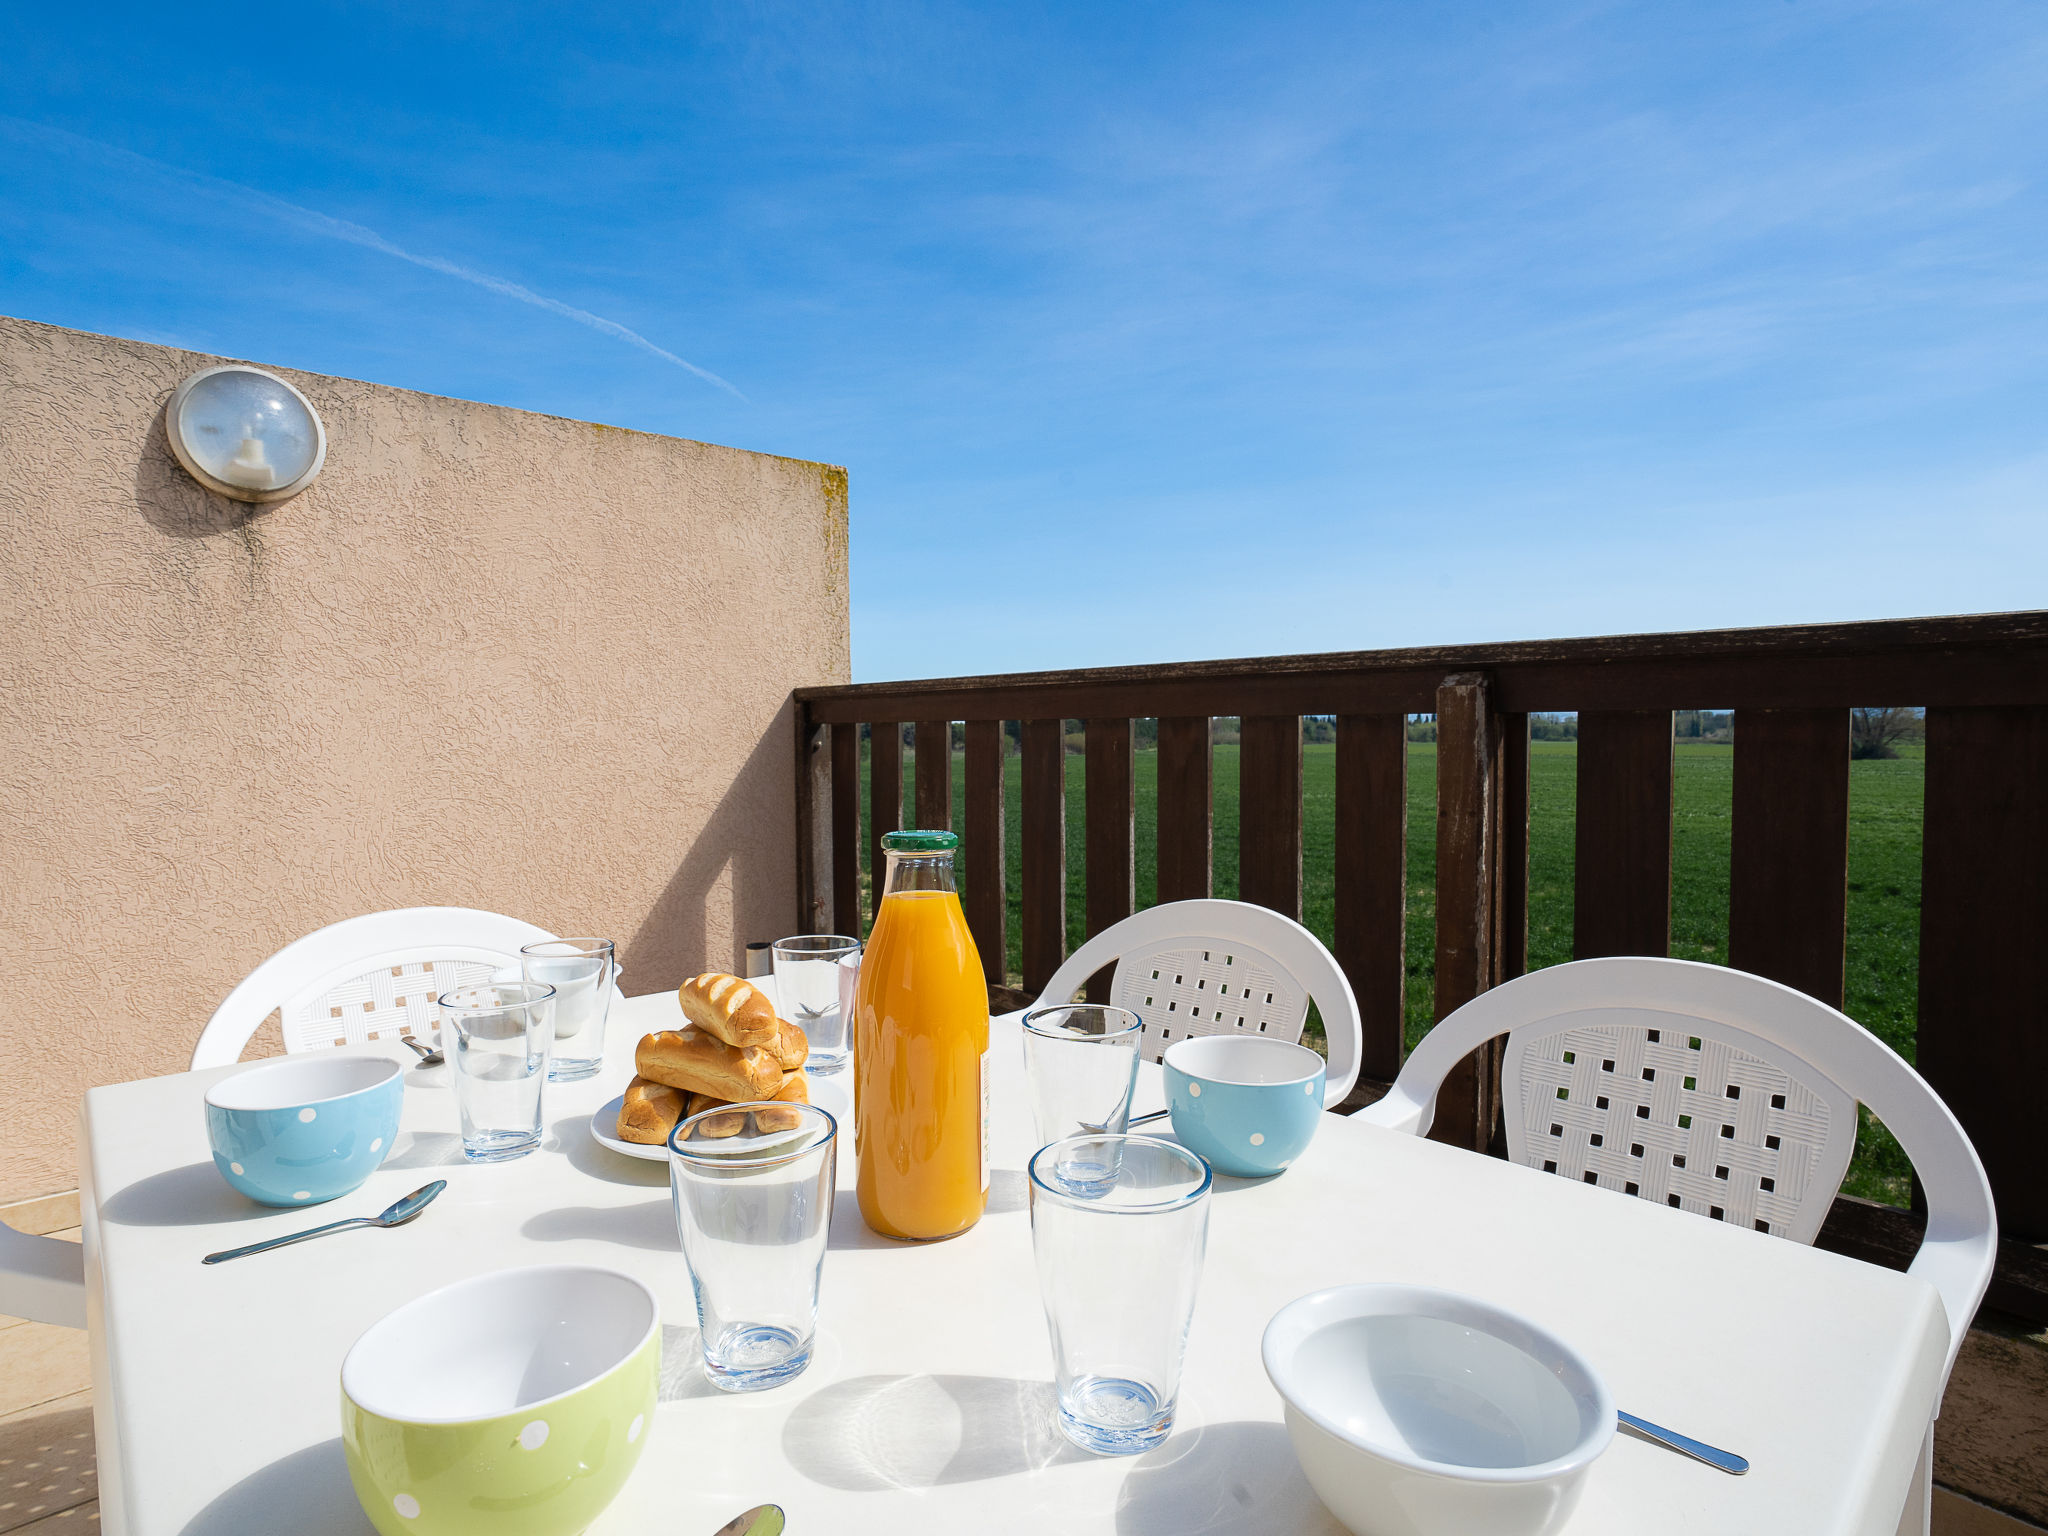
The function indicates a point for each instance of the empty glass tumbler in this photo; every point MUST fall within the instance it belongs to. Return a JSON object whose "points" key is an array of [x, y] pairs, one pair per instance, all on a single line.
{"points": [[497, 1037], [1118, 1264], [752, 1185], [807, 985], [581, 971], [1080, 1067]]}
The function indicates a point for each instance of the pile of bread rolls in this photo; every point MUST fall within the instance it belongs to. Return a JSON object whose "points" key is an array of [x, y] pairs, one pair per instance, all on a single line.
{"points": [[735, 1051]]}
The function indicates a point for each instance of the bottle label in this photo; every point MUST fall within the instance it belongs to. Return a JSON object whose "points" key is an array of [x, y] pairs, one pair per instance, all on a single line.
{"points": [[984, 1122]]}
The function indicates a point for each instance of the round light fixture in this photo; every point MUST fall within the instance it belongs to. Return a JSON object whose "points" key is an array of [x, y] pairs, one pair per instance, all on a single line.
{"points": [[246, 433]]}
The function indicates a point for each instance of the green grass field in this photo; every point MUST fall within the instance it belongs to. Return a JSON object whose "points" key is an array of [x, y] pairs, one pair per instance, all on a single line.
{"points": [[1884, 878]]}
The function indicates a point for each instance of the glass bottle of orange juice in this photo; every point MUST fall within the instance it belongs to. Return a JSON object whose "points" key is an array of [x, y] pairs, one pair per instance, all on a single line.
{"points": [[920, 1052]]}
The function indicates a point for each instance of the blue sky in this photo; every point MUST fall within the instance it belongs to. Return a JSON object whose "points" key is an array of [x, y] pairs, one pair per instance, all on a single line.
{"points": [[1147, 332]]}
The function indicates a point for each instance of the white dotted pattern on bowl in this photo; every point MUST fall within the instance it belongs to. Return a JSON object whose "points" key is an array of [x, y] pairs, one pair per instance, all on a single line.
{"points": [[535, 1435], [302, 1194], [1194, 1090], [1258, 1138], [377, 1145], [407, 1506], [633, 1429], [309, 1113], [238, 1168]]}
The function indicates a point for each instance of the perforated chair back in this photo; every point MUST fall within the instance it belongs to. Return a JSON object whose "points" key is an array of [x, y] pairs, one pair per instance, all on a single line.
{"points": [[1714, 1091], [366, 978], [1221, 967]]}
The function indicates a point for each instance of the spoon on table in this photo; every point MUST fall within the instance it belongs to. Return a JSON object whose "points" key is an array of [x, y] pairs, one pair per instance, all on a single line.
{"points": [[427, 1058], [761, 1520], [397, 1216], [1685, 1445]]}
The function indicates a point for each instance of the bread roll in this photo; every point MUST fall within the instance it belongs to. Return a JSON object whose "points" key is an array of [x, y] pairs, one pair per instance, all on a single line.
{"points": [[735, 1011], [717, 1126], [796, 1089], [696, 1062], [791, 1048], [650, 1112]]}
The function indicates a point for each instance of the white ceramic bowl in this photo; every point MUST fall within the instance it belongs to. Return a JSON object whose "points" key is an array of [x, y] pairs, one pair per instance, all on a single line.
{"points": [[1417, 1412]]}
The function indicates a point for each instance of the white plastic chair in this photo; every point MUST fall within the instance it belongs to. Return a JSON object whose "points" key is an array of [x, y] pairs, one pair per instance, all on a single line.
{"points": [[1217, 967], [1718, 1092], [362, 979], [365, 978]]}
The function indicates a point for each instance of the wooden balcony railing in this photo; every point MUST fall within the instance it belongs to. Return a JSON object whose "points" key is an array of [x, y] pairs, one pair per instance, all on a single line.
{"points": [[1983, 994]]}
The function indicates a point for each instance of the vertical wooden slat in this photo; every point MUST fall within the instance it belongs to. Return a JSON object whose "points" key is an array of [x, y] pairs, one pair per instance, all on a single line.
{"points": [[1110, 811], [1621, 887], [1045, 851], [1269, 812], [987, 918], [1112, 871], [1983, 1040], [934, 775], [1468, 815], [1372, 880], [1511, 941], [845, 831], [813, 824], [885, 801], [1788, 867], [1184, 808]]}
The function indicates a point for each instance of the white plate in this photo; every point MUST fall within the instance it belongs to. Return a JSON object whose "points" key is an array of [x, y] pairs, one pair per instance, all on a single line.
{"points": [[825, 1093]]}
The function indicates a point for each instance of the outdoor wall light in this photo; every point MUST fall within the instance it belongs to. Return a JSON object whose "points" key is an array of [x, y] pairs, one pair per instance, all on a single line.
{"points": [[246, 433]]}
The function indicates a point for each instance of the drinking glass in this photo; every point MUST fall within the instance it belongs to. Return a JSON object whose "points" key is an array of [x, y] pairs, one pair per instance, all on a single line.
{"points": [[807, 985], [581, 972], [1117, 1268], [752, 1185], [497, 1037], [1081, 1066]]}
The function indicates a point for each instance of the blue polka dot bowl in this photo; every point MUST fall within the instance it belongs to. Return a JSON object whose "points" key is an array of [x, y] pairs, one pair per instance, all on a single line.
{"points": [[305, 1129], [513, 1404], [1248, 1104]]}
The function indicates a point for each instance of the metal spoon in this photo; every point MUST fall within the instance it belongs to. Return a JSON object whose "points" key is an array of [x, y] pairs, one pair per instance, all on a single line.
{"points": [[397, 1216], [761, 1520], [427, 1058], [1685, 1445]]}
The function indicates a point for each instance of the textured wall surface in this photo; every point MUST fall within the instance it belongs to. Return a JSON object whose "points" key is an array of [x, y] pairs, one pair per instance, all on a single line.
{"points": [[488, 659]]}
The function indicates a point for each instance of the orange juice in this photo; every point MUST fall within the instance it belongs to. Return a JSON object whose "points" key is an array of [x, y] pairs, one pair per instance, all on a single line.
{"points": [[920, 1052]]}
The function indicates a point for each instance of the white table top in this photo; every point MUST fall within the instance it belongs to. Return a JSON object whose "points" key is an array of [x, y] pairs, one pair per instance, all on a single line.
{"points": [[927, 1406]]}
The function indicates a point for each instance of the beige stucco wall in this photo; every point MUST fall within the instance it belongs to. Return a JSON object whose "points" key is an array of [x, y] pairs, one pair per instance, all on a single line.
{"points": [[488, 659]]}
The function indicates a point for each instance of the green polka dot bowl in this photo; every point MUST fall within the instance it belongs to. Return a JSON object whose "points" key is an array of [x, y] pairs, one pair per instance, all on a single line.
{"points": [[513, 1404], [307, 1128]]}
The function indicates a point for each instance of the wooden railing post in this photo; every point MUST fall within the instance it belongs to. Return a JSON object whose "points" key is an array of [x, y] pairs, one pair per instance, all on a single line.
{"points": [[1371, 870], [1185, 800], [1111, 810], [987, 911], [1469, 806], [1269, 812], [1621, 887], [885, 801], [1788, 866], [934, 775], [1983, 1039], [845, 914], [1045, 851], [813, 824]]}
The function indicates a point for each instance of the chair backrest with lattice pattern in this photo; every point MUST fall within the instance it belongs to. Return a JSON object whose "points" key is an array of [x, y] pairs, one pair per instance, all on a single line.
{"points": [[366, 978], [1215, 967]]}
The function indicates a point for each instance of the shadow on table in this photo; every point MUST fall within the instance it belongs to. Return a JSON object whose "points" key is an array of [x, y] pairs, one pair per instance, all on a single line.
{"points": [[309, 1489], [651, 1224], [1237, 1478], [682, 1366], [428, 1149], [191, 1196], [874, 1433], [571, 1137]]}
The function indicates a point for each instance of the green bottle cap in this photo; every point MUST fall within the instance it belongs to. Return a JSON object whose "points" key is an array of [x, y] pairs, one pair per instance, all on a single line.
{"points": [[920, 842]]}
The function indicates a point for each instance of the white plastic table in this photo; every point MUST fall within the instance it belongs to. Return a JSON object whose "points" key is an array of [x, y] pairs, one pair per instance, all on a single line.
{"points": [[928, 1404]]}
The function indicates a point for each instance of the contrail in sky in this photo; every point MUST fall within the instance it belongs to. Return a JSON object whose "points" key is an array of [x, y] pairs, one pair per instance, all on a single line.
{"points": [[355, 234]]}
